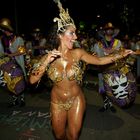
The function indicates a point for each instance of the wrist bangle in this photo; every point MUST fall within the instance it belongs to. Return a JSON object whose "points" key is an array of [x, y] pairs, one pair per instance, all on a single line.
{"points": [[42, 64], [115, 57], [37, 65]]}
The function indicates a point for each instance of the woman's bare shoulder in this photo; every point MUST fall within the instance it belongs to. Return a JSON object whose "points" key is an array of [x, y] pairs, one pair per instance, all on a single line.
{"points": [[78, 53]]}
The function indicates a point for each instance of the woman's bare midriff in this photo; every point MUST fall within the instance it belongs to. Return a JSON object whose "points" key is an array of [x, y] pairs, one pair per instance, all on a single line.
{"points": [[65, 91]]}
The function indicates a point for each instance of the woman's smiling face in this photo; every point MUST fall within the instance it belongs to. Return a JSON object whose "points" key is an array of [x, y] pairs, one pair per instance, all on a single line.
{"points": [[69, 37]]}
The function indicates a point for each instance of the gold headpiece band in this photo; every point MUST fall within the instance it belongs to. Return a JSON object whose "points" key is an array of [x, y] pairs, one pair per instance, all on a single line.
{"points": [[64, 19]]}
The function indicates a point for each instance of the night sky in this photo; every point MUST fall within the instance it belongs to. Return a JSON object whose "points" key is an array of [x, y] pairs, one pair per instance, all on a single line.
{"points": [[27, 14]]}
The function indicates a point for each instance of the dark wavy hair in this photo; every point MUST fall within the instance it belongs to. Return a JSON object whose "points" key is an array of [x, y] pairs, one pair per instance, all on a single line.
{"points": [[53, 40]]}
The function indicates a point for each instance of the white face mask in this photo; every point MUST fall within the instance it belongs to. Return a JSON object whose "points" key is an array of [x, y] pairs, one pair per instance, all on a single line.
{"points": [[70, 33], [109, 32]]}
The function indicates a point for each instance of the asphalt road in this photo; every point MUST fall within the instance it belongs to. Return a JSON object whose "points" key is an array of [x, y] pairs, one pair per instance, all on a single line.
{"points": [[32, 122]]}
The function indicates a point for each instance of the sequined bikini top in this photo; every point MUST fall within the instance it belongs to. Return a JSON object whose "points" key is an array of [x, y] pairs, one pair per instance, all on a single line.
{"points": [[73, 71]]}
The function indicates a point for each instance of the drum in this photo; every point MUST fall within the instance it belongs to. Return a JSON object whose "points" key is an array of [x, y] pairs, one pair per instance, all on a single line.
{"points": [[12, 76], [120, 88]]}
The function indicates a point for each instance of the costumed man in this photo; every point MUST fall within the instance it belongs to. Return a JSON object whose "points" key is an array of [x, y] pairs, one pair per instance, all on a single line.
{"points": [[12, 67], [38, 43], [36, 47], [117, 83]]}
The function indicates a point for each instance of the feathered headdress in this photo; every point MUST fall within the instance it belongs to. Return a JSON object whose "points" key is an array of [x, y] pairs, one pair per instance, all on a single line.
{"points": [[64, 18]]}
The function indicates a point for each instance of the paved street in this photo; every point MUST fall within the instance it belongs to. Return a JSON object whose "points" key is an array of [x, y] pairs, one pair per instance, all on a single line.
{"points": [[32, 122]]}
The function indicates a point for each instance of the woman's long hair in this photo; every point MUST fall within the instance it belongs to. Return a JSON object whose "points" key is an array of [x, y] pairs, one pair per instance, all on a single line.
{"points": [[53, 40]]}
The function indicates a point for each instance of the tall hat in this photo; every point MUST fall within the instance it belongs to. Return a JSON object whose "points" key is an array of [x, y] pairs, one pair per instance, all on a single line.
{"points": [[64, 18], [5, 24], [109, 25]]}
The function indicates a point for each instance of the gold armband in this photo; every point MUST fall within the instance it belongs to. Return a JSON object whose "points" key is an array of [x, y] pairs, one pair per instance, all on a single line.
{"points": [[37, 65], [117, 57]]}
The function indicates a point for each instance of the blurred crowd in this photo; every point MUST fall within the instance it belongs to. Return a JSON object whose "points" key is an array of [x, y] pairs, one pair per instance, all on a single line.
{"points": [[28, 48]]}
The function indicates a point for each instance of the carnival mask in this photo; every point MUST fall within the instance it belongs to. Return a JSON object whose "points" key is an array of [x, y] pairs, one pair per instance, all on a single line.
{"points": [[119, 86]]}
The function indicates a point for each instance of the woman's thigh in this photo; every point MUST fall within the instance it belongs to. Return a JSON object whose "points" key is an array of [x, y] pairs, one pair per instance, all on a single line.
{"points": [[58, 118], [75, 115]]}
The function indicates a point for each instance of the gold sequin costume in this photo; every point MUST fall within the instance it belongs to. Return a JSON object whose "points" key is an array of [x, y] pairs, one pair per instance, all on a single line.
{"points": [[67, 105], [74, 73]]}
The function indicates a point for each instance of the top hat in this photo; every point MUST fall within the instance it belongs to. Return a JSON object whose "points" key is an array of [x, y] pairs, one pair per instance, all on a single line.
{"points": [[109, 25], [5, 24]]}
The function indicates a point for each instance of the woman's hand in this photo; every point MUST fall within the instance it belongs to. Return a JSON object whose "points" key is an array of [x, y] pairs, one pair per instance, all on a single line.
{"points": [[126, 52], [52, 55], [122, 54], [137, 52]]}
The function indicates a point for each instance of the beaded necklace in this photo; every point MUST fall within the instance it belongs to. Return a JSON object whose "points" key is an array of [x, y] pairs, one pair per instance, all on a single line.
{"points": [[108, 47]]}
